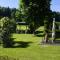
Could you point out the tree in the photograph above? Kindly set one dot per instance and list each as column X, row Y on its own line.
column 5, row 11
column 35, row 11
column 18, row 16
column 8, row 26
column 13, row 11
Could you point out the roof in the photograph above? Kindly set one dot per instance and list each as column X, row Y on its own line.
column 22, row 23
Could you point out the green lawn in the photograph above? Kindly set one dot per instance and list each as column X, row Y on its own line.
column 21, row 27
column 32, row 49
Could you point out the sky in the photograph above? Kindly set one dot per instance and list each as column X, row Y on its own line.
column 55, row 4
column 9, row 3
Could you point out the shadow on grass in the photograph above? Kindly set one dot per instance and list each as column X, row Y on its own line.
column 15, row 44
column 18, row 44
column 39, row 33
column 57, row 41
column 21, row 44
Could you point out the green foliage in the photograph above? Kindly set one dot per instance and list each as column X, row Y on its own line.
column 7, row 12
column 13, row 11
column 34, row 12
column 8, row 26
column 18, row 15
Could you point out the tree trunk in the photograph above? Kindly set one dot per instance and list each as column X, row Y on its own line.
column 46, row 38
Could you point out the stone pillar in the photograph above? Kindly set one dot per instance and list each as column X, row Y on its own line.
column 53, row 30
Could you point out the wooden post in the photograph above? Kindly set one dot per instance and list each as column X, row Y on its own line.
column 53, row 30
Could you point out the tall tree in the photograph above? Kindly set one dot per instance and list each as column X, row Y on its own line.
column 35, row 11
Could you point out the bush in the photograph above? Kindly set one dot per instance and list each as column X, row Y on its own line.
column 8, row 26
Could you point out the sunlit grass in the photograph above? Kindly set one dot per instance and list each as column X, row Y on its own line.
column 22, row 27
column 33, row 50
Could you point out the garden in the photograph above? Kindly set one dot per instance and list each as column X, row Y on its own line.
column 31, row 32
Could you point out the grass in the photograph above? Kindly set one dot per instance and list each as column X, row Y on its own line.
column 33, row 50
column 21, row 27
